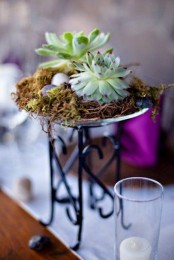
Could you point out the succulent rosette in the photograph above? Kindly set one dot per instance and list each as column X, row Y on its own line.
column 100, row 78
column 70, row 46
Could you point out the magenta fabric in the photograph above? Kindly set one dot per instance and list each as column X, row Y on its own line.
column 140, row 140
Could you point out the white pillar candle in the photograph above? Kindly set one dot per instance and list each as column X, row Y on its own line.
column 135, row 248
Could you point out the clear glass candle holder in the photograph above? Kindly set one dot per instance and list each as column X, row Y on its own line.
column 138, row 207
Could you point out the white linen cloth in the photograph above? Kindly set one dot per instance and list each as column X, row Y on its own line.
column 98, row 234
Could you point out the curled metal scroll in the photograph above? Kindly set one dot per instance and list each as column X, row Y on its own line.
column 106, row 191
column 70, row 199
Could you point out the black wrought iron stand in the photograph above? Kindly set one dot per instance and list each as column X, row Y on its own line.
column 82, row 153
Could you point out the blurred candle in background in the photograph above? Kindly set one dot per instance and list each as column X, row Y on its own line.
column 9, row 75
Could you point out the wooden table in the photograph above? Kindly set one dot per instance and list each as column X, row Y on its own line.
column 17, row 227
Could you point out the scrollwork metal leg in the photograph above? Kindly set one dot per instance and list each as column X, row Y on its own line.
column 53, row 190
column 76, row 203
column 80, row 190
column 82, row 154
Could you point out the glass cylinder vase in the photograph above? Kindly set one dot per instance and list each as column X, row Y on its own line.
column 138, row 207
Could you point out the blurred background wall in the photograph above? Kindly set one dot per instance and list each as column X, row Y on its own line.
column 141, row 31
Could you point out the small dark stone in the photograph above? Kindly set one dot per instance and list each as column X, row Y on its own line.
column 144, row 103
column 38, row 242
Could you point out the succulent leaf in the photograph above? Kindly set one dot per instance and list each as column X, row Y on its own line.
column 100, row 78
column 51, row 38
column 45, row 52
column 53, row 63
column 68, row 36
column 93, row 34
column 51, row 47
column 79, row 45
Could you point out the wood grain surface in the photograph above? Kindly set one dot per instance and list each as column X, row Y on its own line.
column 16, row 229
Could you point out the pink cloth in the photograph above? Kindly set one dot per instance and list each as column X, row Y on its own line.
column 140, row 140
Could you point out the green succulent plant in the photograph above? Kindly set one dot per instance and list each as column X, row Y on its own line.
column 100, row 78
column 70, row 46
